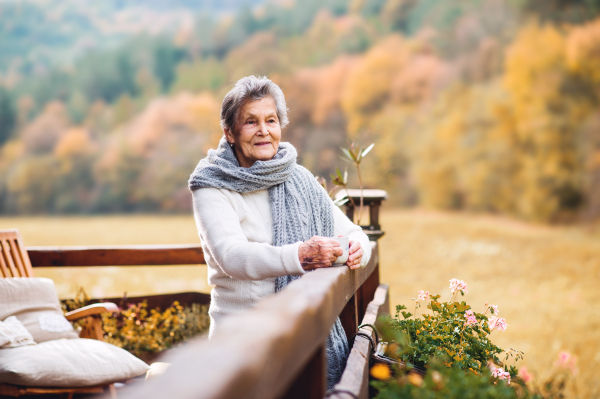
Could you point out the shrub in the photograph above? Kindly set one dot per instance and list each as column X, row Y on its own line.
column 143, row 331
column 453, row 333
column 453, row 343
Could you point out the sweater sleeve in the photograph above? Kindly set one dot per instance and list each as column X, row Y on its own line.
column 221, row 232
column 344, row 227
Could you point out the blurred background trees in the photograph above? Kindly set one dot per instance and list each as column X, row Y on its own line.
column 488, row 106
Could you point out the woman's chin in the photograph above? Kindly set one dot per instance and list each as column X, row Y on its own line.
column 265, row 155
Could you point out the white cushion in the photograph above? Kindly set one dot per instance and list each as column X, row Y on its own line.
column 13, row 334
column 68, row 363
column 33, row 300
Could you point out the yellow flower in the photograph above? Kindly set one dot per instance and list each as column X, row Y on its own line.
column 415, row 379
column 381, row 372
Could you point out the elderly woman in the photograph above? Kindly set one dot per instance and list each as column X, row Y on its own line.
column 263, row 219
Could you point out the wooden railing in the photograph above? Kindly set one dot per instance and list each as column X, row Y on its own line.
column 274, row 350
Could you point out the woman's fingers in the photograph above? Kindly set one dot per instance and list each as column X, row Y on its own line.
column 330, row 247
column 338, row 251
column 354, row 246
column 319, row 252
column 355, row 254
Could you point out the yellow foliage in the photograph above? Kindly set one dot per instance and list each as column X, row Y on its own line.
column 140, row 330
column 535, row 63
column 414, row 83
column 259, row 55
column 368, row 87
column 328, row 88
column 76, row 141
column 583, row 51
column 546, row 122
column 42, row 134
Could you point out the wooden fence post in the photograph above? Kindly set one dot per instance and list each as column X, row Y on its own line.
column 311, row 382
column 365, row 293
column 349, row 318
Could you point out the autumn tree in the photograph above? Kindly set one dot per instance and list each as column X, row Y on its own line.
column 7, row 115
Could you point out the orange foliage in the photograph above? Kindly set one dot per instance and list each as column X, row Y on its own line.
column 196, row 114
column 368, row 88
column 328, row 83
column 75, row 141
column 46, row 130
column 583, row 51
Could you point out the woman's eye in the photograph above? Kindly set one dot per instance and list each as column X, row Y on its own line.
column 250, row 122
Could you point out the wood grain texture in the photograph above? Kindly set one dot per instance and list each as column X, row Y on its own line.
column 133, row 255
column 15, row 391
column 91, row 310
column 366, row 293
column 92, row 328
column 349, row 318
column 162, row 301
column 14, row 261
column 311, row 383
column 4, row 271
column 259, row 353
column 356, row 375
column 8, row 257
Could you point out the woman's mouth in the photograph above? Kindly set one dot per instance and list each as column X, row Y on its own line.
column 262, row 143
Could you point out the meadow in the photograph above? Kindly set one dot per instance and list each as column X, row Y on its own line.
column 543, row 279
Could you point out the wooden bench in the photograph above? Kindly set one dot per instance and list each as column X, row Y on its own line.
column 15, row 262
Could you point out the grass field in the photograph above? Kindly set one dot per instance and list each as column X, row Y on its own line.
column 544, row 280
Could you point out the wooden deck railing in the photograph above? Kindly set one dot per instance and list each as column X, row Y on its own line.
column 274, row 350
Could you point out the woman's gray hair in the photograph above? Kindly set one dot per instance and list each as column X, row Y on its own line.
column 251, row 88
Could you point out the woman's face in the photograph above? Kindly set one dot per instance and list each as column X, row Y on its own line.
column 257, row 133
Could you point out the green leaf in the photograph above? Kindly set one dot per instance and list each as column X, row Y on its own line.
column 461, row 307
column 341, row 201
column 367, row 150
column 348, row 154
column 406, row 315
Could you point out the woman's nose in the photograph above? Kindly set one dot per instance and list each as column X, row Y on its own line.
column 262, row 129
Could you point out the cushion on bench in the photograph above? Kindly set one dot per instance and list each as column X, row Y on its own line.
column 68, row 363
column 33, row 300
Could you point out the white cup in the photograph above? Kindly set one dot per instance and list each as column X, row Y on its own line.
column 345, row 244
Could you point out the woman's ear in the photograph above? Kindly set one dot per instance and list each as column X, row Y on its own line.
column 228, row 136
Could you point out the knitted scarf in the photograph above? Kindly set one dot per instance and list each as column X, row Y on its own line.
column 300, row 209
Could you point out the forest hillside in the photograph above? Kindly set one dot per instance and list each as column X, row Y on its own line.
column 487, row 106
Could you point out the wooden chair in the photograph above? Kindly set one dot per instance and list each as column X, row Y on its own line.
column 14, row 262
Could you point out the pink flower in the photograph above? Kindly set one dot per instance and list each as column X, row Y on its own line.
column 563, row 358
column 525, row 375
column 470, row 318
column 567, row 361
column 494, row 309
column 501, row 374
column 458, row 285
column 501, row 324
column 423, row 295
column 497, row 322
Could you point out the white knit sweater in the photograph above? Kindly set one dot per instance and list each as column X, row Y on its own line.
column 236, row 234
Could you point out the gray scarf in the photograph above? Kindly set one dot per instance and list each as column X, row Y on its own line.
column 300, row 209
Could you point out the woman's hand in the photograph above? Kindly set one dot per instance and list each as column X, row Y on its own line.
column 354, row 255
column 319, row 252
